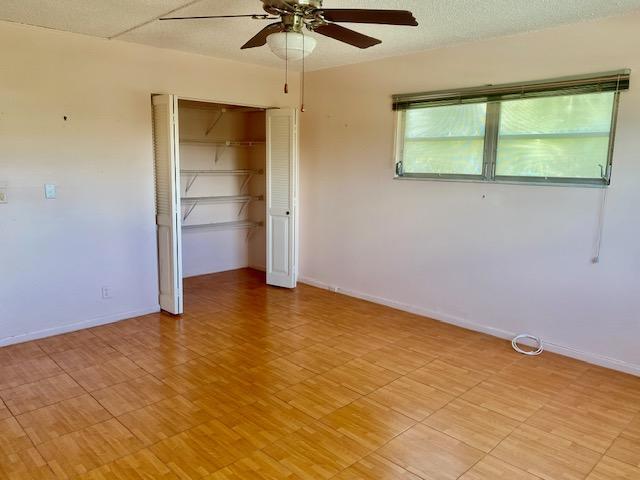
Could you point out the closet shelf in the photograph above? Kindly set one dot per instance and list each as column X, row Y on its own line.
column 222, row 199
column 194, row 174
column 245, row 200
column 222, row 111
column 221, row 172
column 226, row 143
column 241, row 224
column 225, row 110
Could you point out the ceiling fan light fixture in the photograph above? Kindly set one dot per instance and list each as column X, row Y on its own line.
column 293, row 46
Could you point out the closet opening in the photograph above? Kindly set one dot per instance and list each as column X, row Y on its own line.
column 225, row 195
column 222, row 187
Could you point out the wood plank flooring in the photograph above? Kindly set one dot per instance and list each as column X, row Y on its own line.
column 255, row 382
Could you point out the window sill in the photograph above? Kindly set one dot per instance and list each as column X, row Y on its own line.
column 510, row 181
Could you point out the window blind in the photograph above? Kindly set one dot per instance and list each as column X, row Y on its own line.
column 598, row 82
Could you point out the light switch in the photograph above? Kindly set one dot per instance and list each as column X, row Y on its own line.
column 3, row 195
column 50, row 191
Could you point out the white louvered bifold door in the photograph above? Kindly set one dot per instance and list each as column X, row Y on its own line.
column 281, row 197
column 167, row 173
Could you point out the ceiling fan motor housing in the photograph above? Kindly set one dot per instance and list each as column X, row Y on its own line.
column 296, row 14
column 288, row 5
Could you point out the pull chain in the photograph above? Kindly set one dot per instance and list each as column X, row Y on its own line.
column 603, row 198
column 286, row 62
column 302, row 85
column 600, row 228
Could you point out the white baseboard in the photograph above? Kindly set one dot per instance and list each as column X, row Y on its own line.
column 589, row 357
column 72, row 327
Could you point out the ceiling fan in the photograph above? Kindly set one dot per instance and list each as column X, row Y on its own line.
column 286, row 38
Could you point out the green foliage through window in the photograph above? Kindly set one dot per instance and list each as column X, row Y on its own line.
column 445, row 140
column 563, row 137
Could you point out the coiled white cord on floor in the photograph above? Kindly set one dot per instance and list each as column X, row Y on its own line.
column 537, row 340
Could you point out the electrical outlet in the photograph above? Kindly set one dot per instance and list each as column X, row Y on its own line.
column 106, row 293
column 3, row 195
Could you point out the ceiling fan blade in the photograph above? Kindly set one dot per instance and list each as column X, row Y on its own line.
column 255, row 16
column 260, row 38
column 360, row 15
column 347, row 36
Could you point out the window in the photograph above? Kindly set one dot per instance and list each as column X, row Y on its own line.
column 445, row 140
column 558, row 131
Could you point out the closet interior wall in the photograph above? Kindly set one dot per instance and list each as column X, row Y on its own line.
column 258, row 185
column 222, row 162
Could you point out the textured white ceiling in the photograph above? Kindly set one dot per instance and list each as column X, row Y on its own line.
column 441, row 22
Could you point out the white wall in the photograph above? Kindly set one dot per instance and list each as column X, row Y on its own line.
column 56, row 255
column 498, row 258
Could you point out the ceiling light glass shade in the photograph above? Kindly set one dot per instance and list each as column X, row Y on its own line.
column 291, row 45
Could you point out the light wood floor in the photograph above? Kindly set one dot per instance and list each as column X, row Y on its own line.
column 262, row 383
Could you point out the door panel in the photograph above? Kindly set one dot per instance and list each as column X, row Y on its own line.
column 168, row 221
column 280, row 232
column 281, row 197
